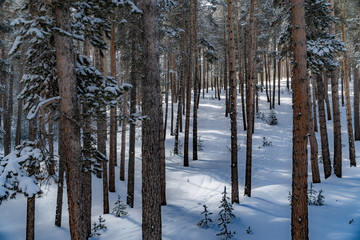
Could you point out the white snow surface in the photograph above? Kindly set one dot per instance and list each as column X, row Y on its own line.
column 267, row 212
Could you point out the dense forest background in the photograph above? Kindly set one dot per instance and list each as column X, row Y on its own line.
column 127, row 105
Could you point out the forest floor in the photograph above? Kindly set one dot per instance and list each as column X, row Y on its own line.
column 267, row 213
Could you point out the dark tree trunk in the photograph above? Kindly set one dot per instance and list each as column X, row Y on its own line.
column 356, row 103
column 348, row 103
column 313, row 143
column 131, row 166
column 151, row 128
column 326, row 94
column 241, row 73
column 233, row 110
column 123, row 137
column 314, row 94
column 249, row 100
column 113, row 120
column 323, row 129
column 60, row 189
column 196, row 84
column 188, row 89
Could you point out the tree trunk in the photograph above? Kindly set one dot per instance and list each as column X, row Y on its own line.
column 314, row 93
column 336, row 111
column 101, row 141
column 188, row 89
column 113, row 121
column 69, row 117
column 196, row 83
column 299, row 205
column 356, row 103
column 233, row 111
column 151, row 129
column 348, row 103
column 60, row 189
column 30, row 219
column 131, row 163
column 323, row 129
column 123, row 137
column 313, row 143
column 30, row 206
column 249, row 99
column 326, row 94
column 8, row 107
column 241, row 73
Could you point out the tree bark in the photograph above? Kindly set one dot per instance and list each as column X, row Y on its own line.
column 241, row 73
column 299, row 205
column 356, row 103
column 188, row 89
column 249, row 100
column 313, row 143
column 233, row 111
column 348, row 102
column 131, row 163
column 113, row 121
column 69, row 117
column 151, row 128
column 323, row 128
column 196, row 84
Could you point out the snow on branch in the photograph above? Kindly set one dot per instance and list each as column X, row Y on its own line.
column 42, row 104
column 18, row 171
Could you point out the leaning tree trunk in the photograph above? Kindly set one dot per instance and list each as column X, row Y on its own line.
column 151, row 127
column 299, row 205
column 69, row 118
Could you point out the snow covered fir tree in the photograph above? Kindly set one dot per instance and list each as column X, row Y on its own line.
column 125, row 119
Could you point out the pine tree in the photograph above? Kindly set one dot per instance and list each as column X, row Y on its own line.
column 119, row 208
column 225, row 217
column 205, row 223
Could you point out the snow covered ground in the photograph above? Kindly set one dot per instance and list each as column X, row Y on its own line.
column 267, row 212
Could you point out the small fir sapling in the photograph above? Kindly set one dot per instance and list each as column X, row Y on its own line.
column 204, row 223
column 272, row 119
column 97, row 227
column 200, row 146
column 119, row 209
column 248, row 231
column 266, row 143
column 225, row 217
column 315, row 198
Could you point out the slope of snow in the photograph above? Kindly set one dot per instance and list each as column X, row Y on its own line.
column 267, row 212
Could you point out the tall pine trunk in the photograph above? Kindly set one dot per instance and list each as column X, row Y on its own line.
column 233, row 111
column 348, row 102
column 151, row 128
column 323, row 128
column 299, row 205
column 249, row 99
column 69, row 117
column 113, row 121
